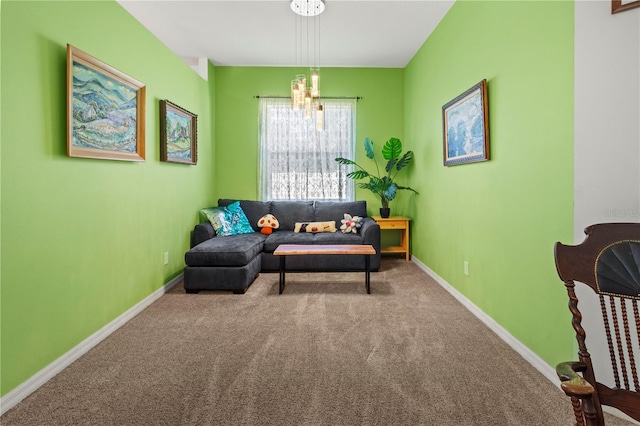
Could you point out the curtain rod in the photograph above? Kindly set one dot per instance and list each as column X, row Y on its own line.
column 357, row 98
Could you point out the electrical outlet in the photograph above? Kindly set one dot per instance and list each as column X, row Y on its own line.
column 466, row 268
column 166, row 257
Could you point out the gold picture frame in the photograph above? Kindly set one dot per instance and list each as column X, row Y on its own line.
column 178, row 134
column 105, row 110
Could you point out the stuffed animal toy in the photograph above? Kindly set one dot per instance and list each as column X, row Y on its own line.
column 268, row 223
column 350, row 224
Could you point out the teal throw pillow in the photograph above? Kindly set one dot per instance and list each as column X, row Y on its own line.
column 229, row 220
column 237, row 219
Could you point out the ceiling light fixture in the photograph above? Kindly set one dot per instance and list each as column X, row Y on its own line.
column 307, row 7
column 305, row 96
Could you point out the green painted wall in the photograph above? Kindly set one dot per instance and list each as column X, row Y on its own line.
column 502, row 216
column 379, row 116
column 83, row 240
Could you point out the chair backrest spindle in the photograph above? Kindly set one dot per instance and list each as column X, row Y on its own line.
column 616, row 327
column 612, row 352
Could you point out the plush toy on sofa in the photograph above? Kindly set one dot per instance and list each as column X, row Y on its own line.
column 350, row 224
column 268, row 223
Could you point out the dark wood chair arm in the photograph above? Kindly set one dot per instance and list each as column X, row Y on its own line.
column 572, row 383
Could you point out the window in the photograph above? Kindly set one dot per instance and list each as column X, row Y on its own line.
column 297, row 162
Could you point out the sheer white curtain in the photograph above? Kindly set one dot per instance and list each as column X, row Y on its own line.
column 297, row 162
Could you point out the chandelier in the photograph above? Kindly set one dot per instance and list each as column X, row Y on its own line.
column 305, row 93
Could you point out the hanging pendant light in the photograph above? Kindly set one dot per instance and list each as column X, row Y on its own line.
column 305, row 94
column 302, row 87
column 315, row 82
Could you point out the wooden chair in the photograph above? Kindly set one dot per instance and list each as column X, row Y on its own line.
column 608, row 261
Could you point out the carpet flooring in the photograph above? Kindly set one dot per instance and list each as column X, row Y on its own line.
column 322, row 353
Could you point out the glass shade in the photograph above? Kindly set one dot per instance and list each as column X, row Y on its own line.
column 315, row 82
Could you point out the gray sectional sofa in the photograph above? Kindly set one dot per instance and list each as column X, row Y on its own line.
column 233, row 262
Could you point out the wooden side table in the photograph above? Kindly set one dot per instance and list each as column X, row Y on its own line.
column 401, row 224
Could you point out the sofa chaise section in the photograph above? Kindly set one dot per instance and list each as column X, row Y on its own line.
column 224, row 263
column 232, row 262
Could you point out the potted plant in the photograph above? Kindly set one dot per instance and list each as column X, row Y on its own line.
column 382, row 185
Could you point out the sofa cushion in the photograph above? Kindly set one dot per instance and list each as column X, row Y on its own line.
column 335, row 210
column 337, row 238
column 239, row 222
column 233, row 250
column 254, row 210
column 290, row 212
column 290, row 237
column 287, row 237
column 229, row 220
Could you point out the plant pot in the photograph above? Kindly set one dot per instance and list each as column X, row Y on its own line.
column 384, row 212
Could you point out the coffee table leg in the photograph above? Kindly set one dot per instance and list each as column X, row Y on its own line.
column 368, row 276
column 282, row 266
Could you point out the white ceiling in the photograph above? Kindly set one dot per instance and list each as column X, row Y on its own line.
column 352, row 33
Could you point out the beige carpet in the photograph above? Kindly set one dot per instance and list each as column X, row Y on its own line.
column 323, row 353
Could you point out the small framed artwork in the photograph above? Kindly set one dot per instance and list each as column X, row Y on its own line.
column 105, row 110
column 622, row 5
column 178, row 134
column 466, row 127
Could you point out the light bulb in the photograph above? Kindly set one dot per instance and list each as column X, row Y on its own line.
column 307, row 105
column 296, row 98
column 294, row 87
column 320, row 118
column 315, row 81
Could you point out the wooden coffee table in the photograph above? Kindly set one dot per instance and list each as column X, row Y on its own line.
column 285, row 250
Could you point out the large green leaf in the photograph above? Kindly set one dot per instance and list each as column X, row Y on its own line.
column 390, row 193
column 406, row 159
column 358, row 174
column 406, row 187
column 392, row 149
column 390, row 164
column 371, row 187
column 376, row 184
column 345, row 161
column 368, row 147
column 386, row 181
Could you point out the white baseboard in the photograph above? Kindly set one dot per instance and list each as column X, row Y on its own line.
column 41, row 377
column 537, row 362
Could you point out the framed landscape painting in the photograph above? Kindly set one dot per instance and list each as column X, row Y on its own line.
column 178, row 134
column 466, row 127
column 105, row 110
